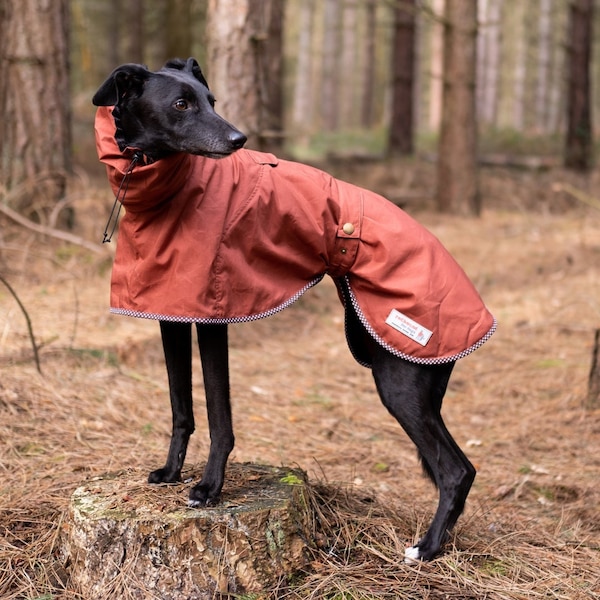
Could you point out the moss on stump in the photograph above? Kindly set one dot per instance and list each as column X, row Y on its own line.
column 123, row 536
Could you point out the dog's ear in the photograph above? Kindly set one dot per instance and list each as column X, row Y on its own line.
column 125, row 80
column 193, row 67
column 190, row 65
column 175, row 63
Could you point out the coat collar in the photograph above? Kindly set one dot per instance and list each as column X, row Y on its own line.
column 150, row 182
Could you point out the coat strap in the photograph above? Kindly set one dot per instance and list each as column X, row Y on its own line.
column 349, row 230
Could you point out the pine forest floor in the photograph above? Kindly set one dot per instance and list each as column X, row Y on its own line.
column 531, row 528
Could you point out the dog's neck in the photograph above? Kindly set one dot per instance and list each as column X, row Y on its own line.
column 119, row 133
column 124, row 141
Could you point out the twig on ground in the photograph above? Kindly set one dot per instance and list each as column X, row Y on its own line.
column 28, row 321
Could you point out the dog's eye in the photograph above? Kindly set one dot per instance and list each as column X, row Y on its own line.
column 181, row 104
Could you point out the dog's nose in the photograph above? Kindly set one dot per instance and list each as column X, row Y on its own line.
column 237, row 140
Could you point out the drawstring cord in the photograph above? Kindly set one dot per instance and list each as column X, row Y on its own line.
column 120, row 196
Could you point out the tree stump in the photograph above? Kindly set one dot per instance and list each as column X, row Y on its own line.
column 125, row 538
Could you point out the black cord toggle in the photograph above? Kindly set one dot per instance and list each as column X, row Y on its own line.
column 120, row 196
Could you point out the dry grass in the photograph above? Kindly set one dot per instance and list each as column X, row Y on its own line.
column 532, row 525
column 365, row 560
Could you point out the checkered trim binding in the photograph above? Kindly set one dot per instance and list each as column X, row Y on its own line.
column 218, row 321
column 392, row 350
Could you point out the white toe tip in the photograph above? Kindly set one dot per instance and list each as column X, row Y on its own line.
column 412, row 555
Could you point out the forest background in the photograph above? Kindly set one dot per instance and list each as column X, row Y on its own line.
column 521, row 62
column 347, row 44
column 338, row 76
column 357, row 87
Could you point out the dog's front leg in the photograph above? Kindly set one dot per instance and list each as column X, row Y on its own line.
column 215, row 369
column 177, row 345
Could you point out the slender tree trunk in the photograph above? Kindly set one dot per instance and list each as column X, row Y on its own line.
column 302, row 111
column 543, row 66
column 494, row 58
column 401, row 137
column 244, row 49
column 368, row 79
column 34, row 99
column 179, row 29
column 330, row 64
column 482, row 11
column 135, row 31
column 268, row 52
column 348, row 64
column 437, row 64
column 488, row 45
column 157, row 34
column 520, row 67
column 230, row 67
column 556, row 95
column 458, row 185
column 593, row 397
column 578, row 150
column 114, row 35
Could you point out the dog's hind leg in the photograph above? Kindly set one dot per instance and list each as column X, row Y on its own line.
column 177, row 346
column 413, row 394
column 215, row 368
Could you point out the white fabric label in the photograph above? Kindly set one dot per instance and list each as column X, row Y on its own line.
column 408, row 327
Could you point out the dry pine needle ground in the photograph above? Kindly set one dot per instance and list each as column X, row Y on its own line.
column 532, row 525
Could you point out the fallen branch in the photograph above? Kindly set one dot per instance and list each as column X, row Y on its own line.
column 36, row 356
column 577, row 194
column 49, row 231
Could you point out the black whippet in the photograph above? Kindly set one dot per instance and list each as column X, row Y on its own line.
column 172, row 111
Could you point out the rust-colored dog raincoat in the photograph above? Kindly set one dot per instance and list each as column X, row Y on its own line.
column 242, row 237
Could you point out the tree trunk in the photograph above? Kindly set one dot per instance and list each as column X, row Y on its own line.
column 268, row 48
column 135, row 31
column 519, row 33
column 457, row 180
column 437, row 64
column 488, row 48
column 244, row 49
column 480, row 69
column 348, row 64
column 114, row 35
column 543, row 66
column 302, row 112
column 34, row 101
column 368, row 78
column 556, row 95
column 578, row 149
column 179, row 29
column 593, row 398
column 401, row 136
column 330, row 65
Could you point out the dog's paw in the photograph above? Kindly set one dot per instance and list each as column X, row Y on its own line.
column 199, row 503
column 412, row 555
column 164, row 476
column 200, row 497
column 193, row 503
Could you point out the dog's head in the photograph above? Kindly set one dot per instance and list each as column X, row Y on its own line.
column 166, row 111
